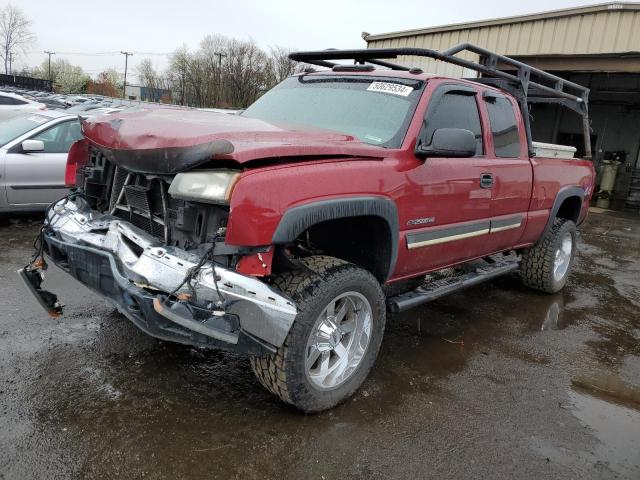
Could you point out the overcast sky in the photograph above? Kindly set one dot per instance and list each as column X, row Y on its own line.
column 97, row 29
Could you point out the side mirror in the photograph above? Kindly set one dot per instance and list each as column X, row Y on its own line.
column 32, row 146
column 449, row 142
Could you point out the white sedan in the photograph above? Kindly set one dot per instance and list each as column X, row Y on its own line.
column 12, row 105
column 33, row 158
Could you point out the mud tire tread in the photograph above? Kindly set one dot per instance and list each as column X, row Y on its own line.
column 536, row 268
column 302, row 286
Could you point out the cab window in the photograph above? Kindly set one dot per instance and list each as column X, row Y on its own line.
column 504, row 126
column 454, row 109
column 59, row 138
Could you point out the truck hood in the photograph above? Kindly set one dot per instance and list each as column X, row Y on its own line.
column 169, row 140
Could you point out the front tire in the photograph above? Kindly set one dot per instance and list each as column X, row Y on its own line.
column 547, row 265
column 334, row 340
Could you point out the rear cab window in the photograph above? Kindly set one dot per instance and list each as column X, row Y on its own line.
column 504, row 126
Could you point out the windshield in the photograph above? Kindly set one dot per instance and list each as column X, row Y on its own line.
column 18, row 126
column 376, row 110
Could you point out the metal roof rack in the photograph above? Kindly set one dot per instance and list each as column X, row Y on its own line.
column 528, row 84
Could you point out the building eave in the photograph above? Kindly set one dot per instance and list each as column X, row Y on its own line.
column 565, row 12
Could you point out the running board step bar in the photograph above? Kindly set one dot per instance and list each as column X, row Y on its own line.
column 490, row 267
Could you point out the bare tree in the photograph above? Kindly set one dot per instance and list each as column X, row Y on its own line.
column 15, row 33
column 281, row 65
column 221, row 72
column 147, row 75
column 106, row 83
column 245, row 73
column 213, row 49
column 67, row 78
column 179, row 64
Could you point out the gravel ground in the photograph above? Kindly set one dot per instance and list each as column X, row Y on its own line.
column 494, row 382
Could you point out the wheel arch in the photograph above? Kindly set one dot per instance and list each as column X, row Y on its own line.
column 338, row 212
column 568, row 205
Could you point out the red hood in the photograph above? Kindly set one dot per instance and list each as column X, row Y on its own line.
column 166, row 140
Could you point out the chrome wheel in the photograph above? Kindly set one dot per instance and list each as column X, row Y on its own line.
column 563, row 257
column 338, row 340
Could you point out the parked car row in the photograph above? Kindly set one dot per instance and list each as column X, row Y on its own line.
column 37, row 130
column 89, row 102
column 12, row 105
column 57, row 101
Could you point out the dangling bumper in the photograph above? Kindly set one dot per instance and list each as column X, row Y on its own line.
column 137, row 273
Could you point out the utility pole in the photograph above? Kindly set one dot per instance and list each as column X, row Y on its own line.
column 50, row 79
column 219, row 89
column 182, row 76
column 126, row 63
column 10, row 62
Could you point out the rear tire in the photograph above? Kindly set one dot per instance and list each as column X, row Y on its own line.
column 334, row 340
column 547, row 265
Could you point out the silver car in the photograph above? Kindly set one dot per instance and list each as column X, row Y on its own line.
column 12, row 105
column 33, row 158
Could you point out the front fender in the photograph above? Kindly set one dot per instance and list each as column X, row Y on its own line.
column 298, row 219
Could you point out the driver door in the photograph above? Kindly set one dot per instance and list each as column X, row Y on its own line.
column 450, row 212
column 35, row 179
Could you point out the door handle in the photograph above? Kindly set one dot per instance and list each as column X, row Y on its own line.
column 486, row 180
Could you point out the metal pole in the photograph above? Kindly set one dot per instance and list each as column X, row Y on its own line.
column 586, row 129
column 219, row 89
column 182, row 86
column 126, row 63
column 50, row 79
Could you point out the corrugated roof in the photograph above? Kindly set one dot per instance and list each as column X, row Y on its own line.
column 610, row 30
column 552, row 14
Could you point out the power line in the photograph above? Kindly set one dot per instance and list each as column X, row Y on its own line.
column 106, row 54
column 90, row 54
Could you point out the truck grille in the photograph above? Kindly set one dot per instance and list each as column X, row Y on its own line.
column 132, row 197
column 144, row 201
column 119, row 179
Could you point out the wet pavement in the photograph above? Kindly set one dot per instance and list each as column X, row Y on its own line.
column 494, row 382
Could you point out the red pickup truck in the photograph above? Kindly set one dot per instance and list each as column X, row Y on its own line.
column 287, row 232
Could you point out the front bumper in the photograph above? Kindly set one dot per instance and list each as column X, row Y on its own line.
column 136, row 272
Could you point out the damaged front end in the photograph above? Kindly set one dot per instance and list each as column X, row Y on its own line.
column 168, row 292
column 145, row 227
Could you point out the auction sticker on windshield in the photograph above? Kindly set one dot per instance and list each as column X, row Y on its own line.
column 387, row 87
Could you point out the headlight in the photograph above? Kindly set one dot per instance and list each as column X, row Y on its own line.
column 208, row 186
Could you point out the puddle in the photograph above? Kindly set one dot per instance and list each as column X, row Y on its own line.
column 609, row 411
column 466, row 370
column 616, row 426
column 610, row 388
column 554, row 318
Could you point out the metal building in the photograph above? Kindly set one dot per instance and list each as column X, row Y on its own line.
column 596, row 46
